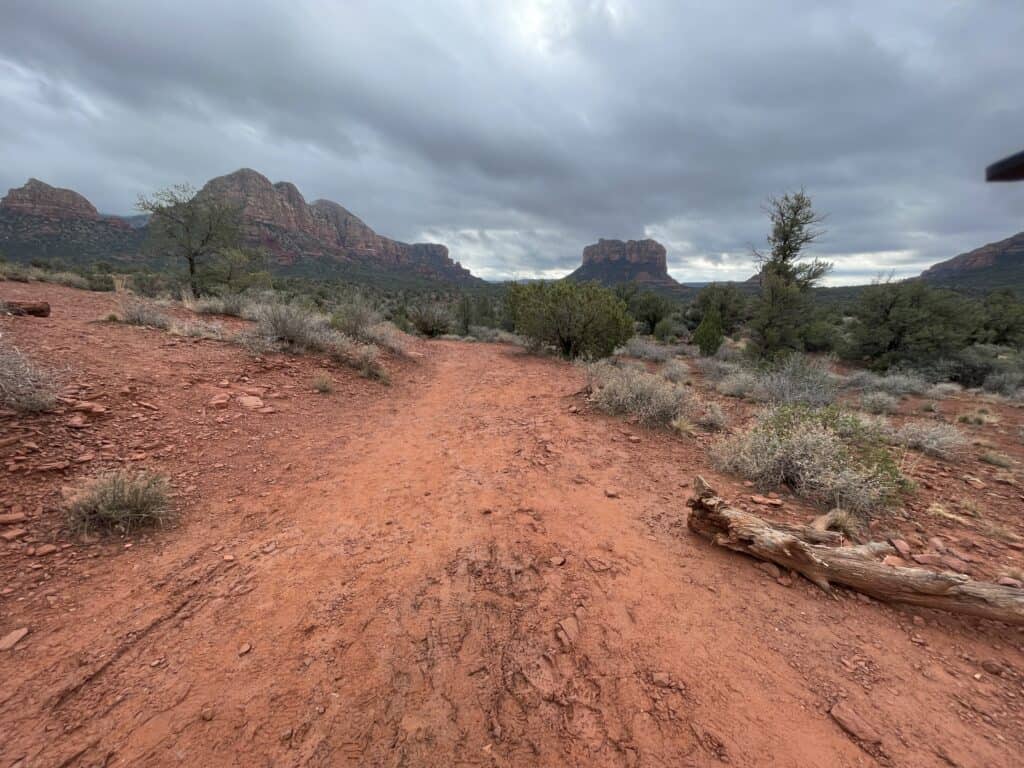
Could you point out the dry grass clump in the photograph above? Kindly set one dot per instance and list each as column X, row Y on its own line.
column 631, row 392
column 933, row 438
column 823, row 454
column 711, row 417
column 997, row 459
column 197, row 330
column 893, row 382
column 69, row 279
column 121, row 501
column 144, row 314
column 24, row 386
column 432, row 319
column 879, row 402
column 363, row 357
column 355, row 316
column 676, row 371
column 323, row 383
column 715, row 369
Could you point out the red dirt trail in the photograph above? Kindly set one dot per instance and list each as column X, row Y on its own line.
column 433, row 574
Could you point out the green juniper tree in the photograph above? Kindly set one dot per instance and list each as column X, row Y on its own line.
column 780, row 311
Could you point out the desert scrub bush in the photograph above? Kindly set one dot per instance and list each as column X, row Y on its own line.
column 631, row 392
column 430, row 318
column 715, row 369
column 580, row 320
column 24, row 386
column 741, row 384
column 20, row 273
column 645, row 349
column 363, row 357
column 292, row 328
column 1004, row 382
column 389, row 336
column 355, row 316
column 68, row 279
column 121, row 501
column 197, row 330
column 495, row 335
column 799, row 379
column 879, row 402
column 676, row 371
column 944, row 389
column 710, row 416
column 100, row 282
column 932, row 438
column 143, row 314
column 824, row 454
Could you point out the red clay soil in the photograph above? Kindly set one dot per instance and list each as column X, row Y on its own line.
column 466, row 568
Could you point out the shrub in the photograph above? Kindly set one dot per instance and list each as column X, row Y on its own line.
column 24, row 387
column 823, row 454
column 355, row 316
column 665, row 330
column 430, row 318
column 997, row 459
column 934, row 438
column 1004, row 382
column 741, row 384
column 292, row 328
column 632, row 392
column 676, row 371
column 646, row 350
column 708, row 336
column 902, row 383
column 579, row 320
column 100, row 282
column 323, row 383
column 362, row 357
column 711, row 417
column 121, row 501
column 799, row 379
column 944, row 389
column 69, row 279
column 197, row 330
column 879, row 402
column 388, row 336
column 143, row 314
column 715, row 369
column 495, row 335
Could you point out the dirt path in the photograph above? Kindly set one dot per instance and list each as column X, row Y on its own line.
column 464, row 572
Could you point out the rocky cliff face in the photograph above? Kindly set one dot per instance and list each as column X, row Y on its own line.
column 278, row 218
column 612, row 262
column 40, row 221
column 39, row 199
column 1006, row 254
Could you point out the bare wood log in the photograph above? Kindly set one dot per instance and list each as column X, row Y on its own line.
column 34, row 308
column 852, row 567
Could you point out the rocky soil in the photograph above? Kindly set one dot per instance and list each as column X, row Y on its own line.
column 468, row 567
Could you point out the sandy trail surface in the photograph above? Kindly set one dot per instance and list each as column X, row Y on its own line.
column 468, row 568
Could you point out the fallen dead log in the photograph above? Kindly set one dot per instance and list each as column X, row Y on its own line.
column 34, row 308
column 853, row 567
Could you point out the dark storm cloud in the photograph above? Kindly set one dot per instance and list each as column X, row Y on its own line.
column 518, row 132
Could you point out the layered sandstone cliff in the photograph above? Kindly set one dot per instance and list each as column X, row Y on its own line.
column 36, row 198
column 613, row 262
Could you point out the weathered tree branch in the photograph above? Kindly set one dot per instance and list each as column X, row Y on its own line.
column 34, row 308
column 852, row 567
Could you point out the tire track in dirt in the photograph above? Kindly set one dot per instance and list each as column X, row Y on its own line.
column 449, row 584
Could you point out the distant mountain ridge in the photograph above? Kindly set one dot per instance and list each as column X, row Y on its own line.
column 614, row 262
column 323, row 238
column 995, row 265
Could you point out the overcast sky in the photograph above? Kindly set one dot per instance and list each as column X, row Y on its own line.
column 516, row 132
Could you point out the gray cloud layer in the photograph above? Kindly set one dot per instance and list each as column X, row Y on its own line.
column 518, row 132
